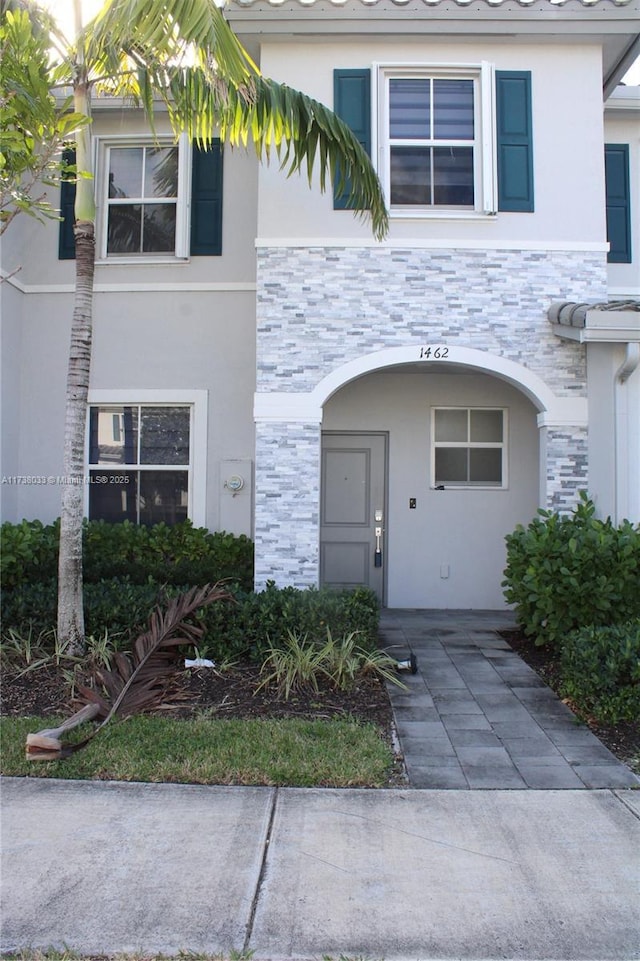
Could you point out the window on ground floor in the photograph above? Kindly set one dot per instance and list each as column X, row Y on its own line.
column 141, row 462
column 469, row 447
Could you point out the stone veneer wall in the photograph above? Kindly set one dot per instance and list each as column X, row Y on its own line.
column 319, row 307
column 567, row 467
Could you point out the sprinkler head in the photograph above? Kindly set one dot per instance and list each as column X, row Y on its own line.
column 409, row 665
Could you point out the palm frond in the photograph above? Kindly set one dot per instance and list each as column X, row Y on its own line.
column 185, row 54
column 305, row 135
column 169, row 28
column 138, row 681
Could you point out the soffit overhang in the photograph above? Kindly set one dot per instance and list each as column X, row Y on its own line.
column 612, row 24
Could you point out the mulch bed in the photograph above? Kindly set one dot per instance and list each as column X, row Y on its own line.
column 225, row 695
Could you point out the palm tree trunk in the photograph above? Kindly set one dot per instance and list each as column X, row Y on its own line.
column 70, row 604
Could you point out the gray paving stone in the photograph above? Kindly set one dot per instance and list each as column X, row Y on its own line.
column 417, row 714
column 462, row 738
column 502, row 777
column 486, row 686
column 466, row 722
column 451, row 703
column 595, row 753
column 524, row 728
column 420, row 729
column 530, row 747
column 441, row 681
column 477, row 755
column 438, row 777
column 606, row 775
column 570, row 735
column 427, row 747
column 546, row 776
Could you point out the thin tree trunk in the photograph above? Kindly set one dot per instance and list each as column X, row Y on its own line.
column 70, row 604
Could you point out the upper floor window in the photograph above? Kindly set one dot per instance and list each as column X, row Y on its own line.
column 434, row 151
column 431, row 147
column 141, row 199
column 156, row 201
column 447, row 140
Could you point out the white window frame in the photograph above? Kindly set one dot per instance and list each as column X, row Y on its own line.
column 103, row 145
column 197, row 401
column 468, row 444
column 485, row 166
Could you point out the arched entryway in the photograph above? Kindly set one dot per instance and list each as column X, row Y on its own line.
column 472, row 444
column 461, row 470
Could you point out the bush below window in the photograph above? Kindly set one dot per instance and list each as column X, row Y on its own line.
column 181, row 554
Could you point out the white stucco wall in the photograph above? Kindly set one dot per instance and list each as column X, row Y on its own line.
column 449, row 551
column 142, row 341
column 567, row 129
column 165, row 326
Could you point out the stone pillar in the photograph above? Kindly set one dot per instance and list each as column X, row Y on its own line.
column 287, row 486
column 567, row 466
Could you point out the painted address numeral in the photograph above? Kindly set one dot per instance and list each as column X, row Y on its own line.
column 433, row 353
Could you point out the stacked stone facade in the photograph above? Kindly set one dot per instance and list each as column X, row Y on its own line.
column 320, row 307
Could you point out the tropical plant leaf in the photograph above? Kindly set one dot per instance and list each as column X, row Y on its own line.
column 138, row 681
column 186, row 55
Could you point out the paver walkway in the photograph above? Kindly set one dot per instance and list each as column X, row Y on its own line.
column 476, row 716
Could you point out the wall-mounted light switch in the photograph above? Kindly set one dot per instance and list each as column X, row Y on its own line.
column 412, row 503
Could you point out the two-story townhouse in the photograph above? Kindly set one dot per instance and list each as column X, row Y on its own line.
column 377, row 413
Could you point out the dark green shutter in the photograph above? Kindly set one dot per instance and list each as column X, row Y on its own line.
column 352, row 103
column 66, row 239
column 616, row 165
column 206, row 201
column 514, row 140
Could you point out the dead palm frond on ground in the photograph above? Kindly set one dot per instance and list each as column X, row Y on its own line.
column 137, row 681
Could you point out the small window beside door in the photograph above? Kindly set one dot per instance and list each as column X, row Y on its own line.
column 469, row 447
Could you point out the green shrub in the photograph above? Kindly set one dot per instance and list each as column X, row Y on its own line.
column 600, row 671
column 178, row 555
column 564, row 572
column 116, row 606
column 245, row 626
column 258, row 620
column 28, row 551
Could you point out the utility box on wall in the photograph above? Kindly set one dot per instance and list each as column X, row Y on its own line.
column 236, row 496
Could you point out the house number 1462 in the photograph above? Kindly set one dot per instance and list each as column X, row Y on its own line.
column 433, row 353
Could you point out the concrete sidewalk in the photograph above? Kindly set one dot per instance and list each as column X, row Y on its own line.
column 292, row 873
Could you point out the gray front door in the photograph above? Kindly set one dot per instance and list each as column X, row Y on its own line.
column 353, row 511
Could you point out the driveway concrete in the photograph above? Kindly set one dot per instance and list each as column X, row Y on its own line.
column 293, row 873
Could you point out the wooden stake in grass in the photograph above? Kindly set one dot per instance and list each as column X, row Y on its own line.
column 138, row 681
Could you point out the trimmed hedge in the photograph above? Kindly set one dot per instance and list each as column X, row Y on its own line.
column 178, row 555
column 600, row 671
column 567, row 571
column 243, row 626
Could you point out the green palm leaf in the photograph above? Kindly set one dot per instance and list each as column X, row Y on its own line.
column 184, row 53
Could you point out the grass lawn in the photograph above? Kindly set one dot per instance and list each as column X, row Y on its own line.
column 297, row 753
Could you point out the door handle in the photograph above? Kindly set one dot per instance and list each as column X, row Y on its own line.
column 377, row 557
